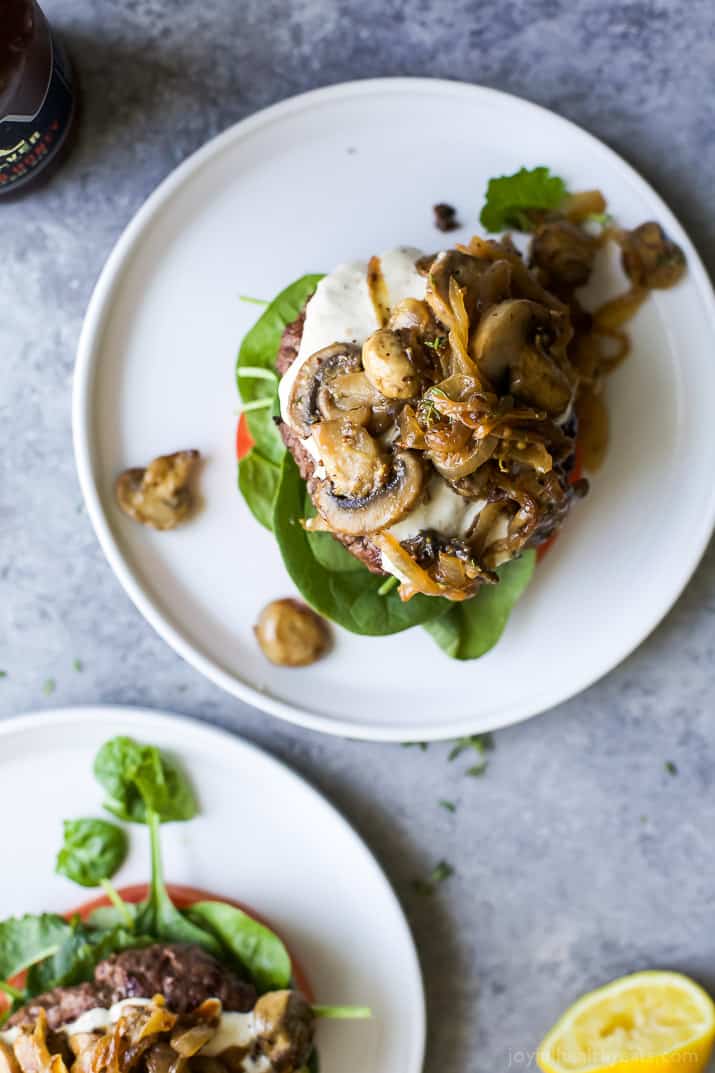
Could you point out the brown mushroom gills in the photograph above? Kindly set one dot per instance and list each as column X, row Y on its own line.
column 361, row 516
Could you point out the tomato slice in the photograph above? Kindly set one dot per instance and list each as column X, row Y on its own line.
column 182, row 897
column 244, row 439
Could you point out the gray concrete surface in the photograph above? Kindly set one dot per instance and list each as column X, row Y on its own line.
column 578, row 856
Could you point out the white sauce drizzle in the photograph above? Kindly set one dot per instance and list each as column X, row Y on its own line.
column 341, row 311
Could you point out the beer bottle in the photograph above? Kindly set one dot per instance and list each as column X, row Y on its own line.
column 36, row 95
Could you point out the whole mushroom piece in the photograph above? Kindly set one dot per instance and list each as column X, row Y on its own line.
column 284, row 1029
column 290, row 634
column 159, row 496
column 650, row 258
column 511, row 348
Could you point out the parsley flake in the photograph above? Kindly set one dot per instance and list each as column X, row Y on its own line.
column 439, row 873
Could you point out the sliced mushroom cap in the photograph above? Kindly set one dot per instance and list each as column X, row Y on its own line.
column 317, row 372
column 510, row 349
column 381, row 509
column 650, row 258
column 160, row 495
column 284, row 1029
column 467, row 272
column 564, row 252
column 352, row 459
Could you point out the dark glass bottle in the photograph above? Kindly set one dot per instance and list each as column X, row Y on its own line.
column 36, row 95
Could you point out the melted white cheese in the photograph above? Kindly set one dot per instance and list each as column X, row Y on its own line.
column 341, row 311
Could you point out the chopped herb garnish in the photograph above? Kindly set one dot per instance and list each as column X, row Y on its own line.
column 48, row 686
column 388, row 585
column 423, row 745
column 253, row 301
column 3, row 674
column 518, row 200
column 449, row 806
column 77, row 665
column 255, row 372
column 481, row 743
column 256, row 404
column 439, row 873
column 604, row 219
column 477, row 769
column 671, row 768
column 435, row 344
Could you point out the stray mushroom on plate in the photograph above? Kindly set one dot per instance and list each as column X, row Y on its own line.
column 161, row 495
column 290, row 634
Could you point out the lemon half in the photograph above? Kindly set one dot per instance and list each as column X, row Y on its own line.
column 659, row 1021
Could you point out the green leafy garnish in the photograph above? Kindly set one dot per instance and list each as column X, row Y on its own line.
column 439, row 873
column 76, row 958
column 470, row 629
column 93, row 850
column 423, row 746
column 671, row 768
column 139, row 779
column 77, row 665
column 480, row 744
column 343, row 1013
column 158, row 915
column 513, row 200
column 255, row 947
column 333, row 581
column 48, row 686
column 259, row 471
column 448, row 806
column 28, row 939
column 253, row 301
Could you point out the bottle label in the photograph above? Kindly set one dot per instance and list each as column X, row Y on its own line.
column 37, row 122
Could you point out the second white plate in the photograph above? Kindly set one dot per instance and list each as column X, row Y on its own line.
column 263, row 837
column 334, row 175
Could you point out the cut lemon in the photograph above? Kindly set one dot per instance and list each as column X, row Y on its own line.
column 651, row 1021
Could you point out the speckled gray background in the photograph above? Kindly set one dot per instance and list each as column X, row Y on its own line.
column 578, row 856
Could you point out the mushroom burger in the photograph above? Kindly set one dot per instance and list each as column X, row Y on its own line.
column 439, row 410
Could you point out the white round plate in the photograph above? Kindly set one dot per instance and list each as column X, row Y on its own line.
column 263, row 837
column 338, row 174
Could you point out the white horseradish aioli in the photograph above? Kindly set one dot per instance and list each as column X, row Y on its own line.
column 341, row 311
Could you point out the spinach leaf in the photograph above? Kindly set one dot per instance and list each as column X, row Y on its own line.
column 29, row 939
column 107, row 917
column 255, row 947
column 158, row 916
column 258, row 480
column 347, row 596
column 511, row 199
column 259, row 471
column 139, row 778
column 79, row 954
column 471, row 628
column 93, row 850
